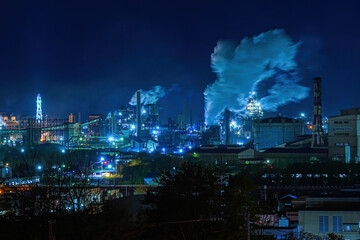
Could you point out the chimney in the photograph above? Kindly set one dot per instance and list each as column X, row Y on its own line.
column 317, row 131
column 138, row 114
column 227, row 126
column 71, row 118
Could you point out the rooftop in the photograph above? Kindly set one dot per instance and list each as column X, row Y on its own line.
column 279, row 119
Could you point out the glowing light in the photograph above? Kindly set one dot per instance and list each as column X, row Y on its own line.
column 39, row 167
column 253, row 107
column 302, row 114
column 157, row 127
column 111, row 139
column 163, row 149
column 190, row 147
column 181, row 150
column 132, row 126
column 63, row 150
column 120, row 114
column 122, row 139
column 154, row 132
column 22, row 150
column 109, row 166
column 61, row 138
column 102, row 159
column 39, row 116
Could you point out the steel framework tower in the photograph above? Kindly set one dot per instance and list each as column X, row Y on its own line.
column 39, row 116
column 317, row 130
column 138, row 114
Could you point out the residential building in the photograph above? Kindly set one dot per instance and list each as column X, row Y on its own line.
column 324, row 215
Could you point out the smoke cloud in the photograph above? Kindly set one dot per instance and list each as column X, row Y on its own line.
column 149, row 97
column 269, row 56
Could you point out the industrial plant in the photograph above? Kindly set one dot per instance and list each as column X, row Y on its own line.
column 137, row 128
column 142, row 120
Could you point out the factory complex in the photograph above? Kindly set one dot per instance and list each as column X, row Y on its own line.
column 243, row 138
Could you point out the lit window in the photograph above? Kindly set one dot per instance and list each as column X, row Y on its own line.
column 337, row 223
column 323, row 223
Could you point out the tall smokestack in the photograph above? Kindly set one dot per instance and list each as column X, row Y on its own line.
column 227, row 126
column 317, row 131
column 138, row 114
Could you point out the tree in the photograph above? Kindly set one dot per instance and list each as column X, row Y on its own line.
column 195, row 202
column 186, row 204
column 240, row 207
column 333, row 236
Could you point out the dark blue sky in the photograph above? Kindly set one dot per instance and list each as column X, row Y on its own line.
column 91, row 56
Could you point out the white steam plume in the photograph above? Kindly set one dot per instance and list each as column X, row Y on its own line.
column 240, row 68
column 149, row 97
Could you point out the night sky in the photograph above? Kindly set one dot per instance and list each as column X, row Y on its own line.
column 91, row 56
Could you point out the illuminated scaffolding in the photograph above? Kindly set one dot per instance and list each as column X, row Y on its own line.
column 253, row 108
column 39, row 116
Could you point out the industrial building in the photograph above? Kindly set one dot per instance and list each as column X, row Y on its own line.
column 323, row 215
column 226, row 154
column 271, row 132
column 344, row 135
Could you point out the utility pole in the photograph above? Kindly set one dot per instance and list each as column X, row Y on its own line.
column 51, row 233
column 248, row 225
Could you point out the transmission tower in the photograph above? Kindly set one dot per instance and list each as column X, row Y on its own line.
column 38, row 109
